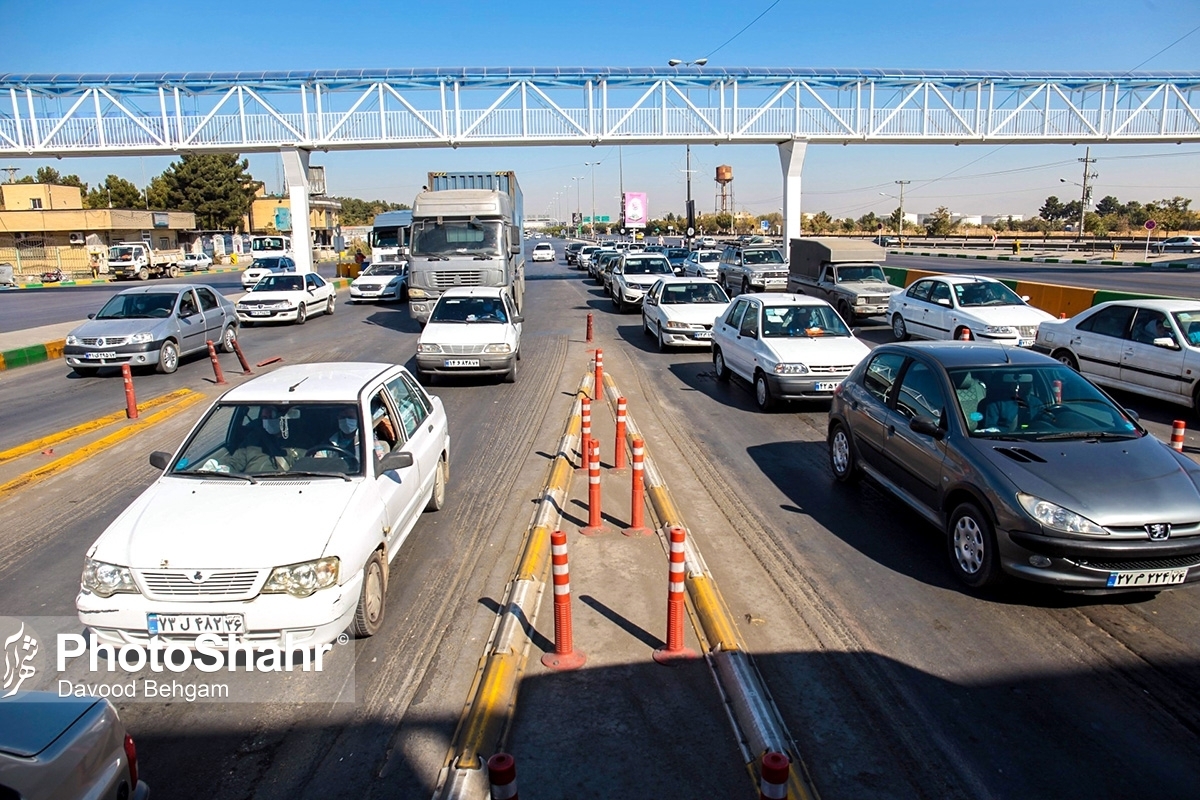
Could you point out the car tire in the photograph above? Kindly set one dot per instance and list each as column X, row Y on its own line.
column 662, row 342
column 86, row 372
column 762, row 392
column 646, row 327
column 372, row 599
column 899, row 329
column 1067, row 358
column 329, row 306
column 617, row 304
column 842, row 461
column 745, row 286
column 511, row 375
column 228, row 339
column 168, row 358
column 437, row 498
column 302, row 314
column 972, row 544
column 247, row 324
column 173, row 271
column 719, row 364
column 424, row 377
column 143, row 274
column 846, row 312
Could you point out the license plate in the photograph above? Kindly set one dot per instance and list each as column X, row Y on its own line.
column 1153, row 577
column 194, row 624
column 260, row 313
column 1024, row 342
column 98, row 356
column 827, row 386
column 702, row 335
column 461, row 362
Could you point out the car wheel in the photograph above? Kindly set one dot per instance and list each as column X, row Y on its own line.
column 662, row 342
column 173, row 271
column 719, row 364
column 248, row 324
column 745, row 286
column 86, row 372
column 511, row 375
column 841, row 455
column 1065, row 357
column 425, row 378
column 846, row 312
column 762, row 393
column 168, row 358
column 646, row 327
column 437, row 498
column 617, row 304
column 228, row 339
column 302, row 314
column 972, row 543
column 899, row 329
column 143, row 274
column 372, row 599
column 329, row 306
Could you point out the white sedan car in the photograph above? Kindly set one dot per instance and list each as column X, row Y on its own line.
column 788, row 346
column 275, row 521
column 196, row 262
column 387, row 280
column 543, row 251
column 634, row 273
column 286, row 298
column 702, row 264
column 964, row 307
column 680, row 311
column 473, row 330
column 261, row 267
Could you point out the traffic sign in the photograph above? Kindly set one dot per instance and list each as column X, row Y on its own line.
column 691, row 231
column 766, row 226
column 1151, row 224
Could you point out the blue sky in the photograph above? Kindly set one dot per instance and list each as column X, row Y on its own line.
column 139, row 36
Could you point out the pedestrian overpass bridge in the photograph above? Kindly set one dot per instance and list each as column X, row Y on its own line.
column 296, row 112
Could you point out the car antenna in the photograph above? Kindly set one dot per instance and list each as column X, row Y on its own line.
column 292, row 388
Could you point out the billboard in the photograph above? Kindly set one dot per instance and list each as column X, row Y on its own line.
column 635, row 210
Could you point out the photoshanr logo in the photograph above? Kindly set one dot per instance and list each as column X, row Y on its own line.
column 20, row 648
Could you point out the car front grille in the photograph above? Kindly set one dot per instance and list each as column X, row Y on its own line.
column 105, row 341
column 463, row 349
column 448, row 278
column 875, row 301
column 181, row 583
column 1027, row 331
column 841, row 369
column 1137, row 564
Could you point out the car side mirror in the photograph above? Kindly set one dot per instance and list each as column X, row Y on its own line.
column 926, row 427
column 91, row 316
column 517, row 320
column 515, row 249
column 160, row 459
column 398, row 459
column 1166, row 342
column 1133, row 414
column 943, row 301
column 650, row 301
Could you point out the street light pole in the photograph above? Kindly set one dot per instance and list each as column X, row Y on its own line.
column 900, row 231
column 593, row 165
column 578, row 208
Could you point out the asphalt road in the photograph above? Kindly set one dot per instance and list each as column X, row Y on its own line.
column 894, row 680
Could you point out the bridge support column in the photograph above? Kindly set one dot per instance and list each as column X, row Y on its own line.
column 791, row 156
column 295, row 170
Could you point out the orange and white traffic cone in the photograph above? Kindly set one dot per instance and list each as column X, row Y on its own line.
column 1177, row 431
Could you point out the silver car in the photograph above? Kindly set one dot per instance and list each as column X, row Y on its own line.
column 1030, row 470
column 152, row 326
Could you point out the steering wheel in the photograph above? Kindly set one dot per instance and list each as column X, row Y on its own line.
column 1048, row 412
column 321, row 448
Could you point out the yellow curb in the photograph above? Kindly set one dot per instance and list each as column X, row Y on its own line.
column 54, row 350
column 100, row 445
column 87, row 427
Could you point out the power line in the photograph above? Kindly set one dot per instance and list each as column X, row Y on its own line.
column 743, row 30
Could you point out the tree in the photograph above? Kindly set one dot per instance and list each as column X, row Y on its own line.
column 1109, row 205
column 939, row 223
column 115, row 193
column 216, row 187
column 821, row 222
column 1052, row 210
column 51, row 175
column 362, row 212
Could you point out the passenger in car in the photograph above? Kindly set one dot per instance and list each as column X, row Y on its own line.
column 262, row 448
column 970, row 394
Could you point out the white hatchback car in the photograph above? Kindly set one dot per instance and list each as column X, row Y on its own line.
column 680, row 311
column 633, row 274
column 789, row 346
column 196, row 262
column 702, row 264
column 473, row 330
column 543, row 251
column 287, row 298
column 964, row 306
column 275, row 521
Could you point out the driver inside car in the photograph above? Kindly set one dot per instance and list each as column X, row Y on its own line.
column 263, row 446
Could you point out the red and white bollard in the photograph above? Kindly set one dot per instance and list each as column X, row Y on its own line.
column 212, row 356
column 1178, row 428
column 619, row 446
column 1057, row 386
column 598, row 391
column 775, row 769
column 964, row 335
column 131, row 411
column 675, row 604
column 637, row 502
column 564, row 655
column 237, row 348
column 502, row 775
column 585, row 431
column 595, row 524
column 589, row 328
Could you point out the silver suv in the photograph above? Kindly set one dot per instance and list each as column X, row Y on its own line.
column 756, row 267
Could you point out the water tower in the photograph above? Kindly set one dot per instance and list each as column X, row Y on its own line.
column 724, row 204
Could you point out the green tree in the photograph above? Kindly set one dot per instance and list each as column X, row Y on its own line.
column 821, row 222
column 362, row 212
column 216, row 187
column 1052, row 210
column 115, row 192
column 51, row 175
column 939, row 223
column 1109, row 205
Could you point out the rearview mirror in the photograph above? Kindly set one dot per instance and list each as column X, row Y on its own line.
column 926, row 427
column 1166, row 342
column 398, row 459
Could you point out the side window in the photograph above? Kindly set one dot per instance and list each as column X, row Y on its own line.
column 940, row 293
column 208, row 301
column 412, row 411
column 1112, row 321
column 734, row 318
column 187, row 305
column 920, row 290
column 1149, row 325
column 920, row 393
column 881, row 374
column 750, row 321
column 419, row 393
column 383, row 426
column 317, row 279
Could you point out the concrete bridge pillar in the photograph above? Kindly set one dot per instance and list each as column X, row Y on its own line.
column 295, row 170
column 791, row 156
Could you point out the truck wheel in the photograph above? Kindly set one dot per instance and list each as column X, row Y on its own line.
column 143, row 274
column 173, row 271
column 168, row 358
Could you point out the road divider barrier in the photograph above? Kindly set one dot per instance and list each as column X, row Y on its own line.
column 599, row 380
column 595, row 525
column 637, row 501
column 216, row 363
column 676, row 608
column 589, row 328
column 774, row 780
column 565, row 656
column 585, row 440
column 237, row 348
column 619, row 444
column 1178, row 429
column 964, row 335
column 131, row 409
column 502, row 775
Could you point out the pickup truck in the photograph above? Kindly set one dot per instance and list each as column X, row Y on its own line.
column 129, row 260
column 843, row 273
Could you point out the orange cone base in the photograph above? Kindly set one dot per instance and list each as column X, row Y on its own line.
column 594, row 530
column 564, row 661
column 664, row 656
column 637, row 532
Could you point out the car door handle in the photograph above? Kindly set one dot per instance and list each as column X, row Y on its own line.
column 891, row 430
column 431, row 427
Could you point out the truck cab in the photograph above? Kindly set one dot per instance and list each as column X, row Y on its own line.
column 842, row 272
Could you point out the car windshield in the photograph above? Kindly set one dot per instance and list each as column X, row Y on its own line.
column 792, row 322
column 385, row 268
column 676, row 252
column 864, row 273
column 432, row 239
column 761, row 257
column 683, row 293
column 265, row 263
column 248, row 440
column 985, row 293
column 1189, row 323
column 138, row 306
column 709, row 256
column 1039, row 402
column 469, row 309
column 279, row 283
column 648, row 266
column 266, row 243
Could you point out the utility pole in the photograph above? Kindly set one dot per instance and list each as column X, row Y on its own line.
column 593, row 165
column 1086, row 198
column 900, row 227
column 12, row 172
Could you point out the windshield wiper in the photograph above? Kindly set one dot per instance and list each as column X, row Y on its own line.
column 437, row 258
column 1084, row 435
column 237, row 476
column 311, row 474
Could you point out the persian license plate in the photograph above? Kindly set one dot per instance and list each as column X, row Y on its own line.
column 826, row 386
column 1024, row 342
column 260, row 313
column 702, row 335
column 194, row 624
column 461, row 362
column 98, row 356
column 1151, row 577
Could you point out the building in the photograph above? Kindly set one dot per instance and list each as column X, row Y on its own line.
column 273, row 214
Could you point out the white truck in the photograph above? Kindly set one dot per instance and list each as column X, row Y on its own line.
column 128, row 260
column 843, row 272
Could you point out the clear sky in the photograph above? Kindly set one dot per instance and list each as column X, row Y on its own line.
column 1101, row 35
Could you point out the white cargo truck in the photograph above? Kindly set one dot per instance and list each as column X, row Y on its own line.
column 843, row 272
column 129, row 260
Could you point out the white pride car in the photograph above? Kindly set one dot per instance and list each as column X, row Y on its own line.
column 543, row 251
column 679, row 312
column 964, row 306
column 275, row 520
column 287, row 297
column 473, row 330
column 790, row 347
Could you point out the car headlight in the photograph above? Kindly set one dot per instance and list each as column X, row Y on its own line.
column 141, row 338
column 1005, row 330
column 72, row 339
column 301, row 580
column 417, row 293
column 791, row 369
column 423, row 347
column 1058, row 518
column 671, row 323
column 503, row 347
column 105, row 579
